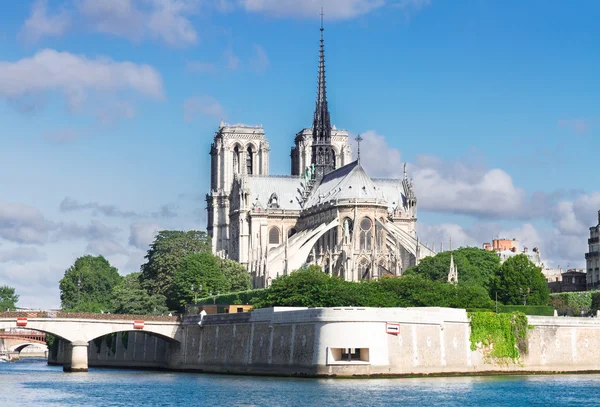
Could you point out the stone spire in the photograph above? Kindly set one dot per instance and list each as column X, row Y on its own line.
column 322, row 151
column 453, row 273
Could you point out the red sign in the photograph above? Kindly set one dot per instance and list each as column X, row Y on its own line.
column 21, row 321
column 138, row 324
column 392, row 329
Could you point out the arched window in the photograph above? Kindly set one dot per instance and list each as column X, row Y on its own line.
column 249, row 160
column 274, row 235
column 236, row 160
column 347, row 231
column 333, row 159
column 363, row 269
column 366, row 234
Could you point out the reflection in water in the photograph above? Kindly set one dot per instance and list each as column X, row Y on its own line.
column 32, row 382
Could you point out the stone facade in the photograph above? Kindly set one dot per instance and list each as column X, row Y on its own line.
column 592, row 257
column 347, row 342
column 328, row 212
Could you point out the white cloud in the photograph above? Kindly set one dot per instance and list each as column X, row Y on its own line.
column 105, row 247
column 206, row 105
column 259, row 61
column 333, row 9
column 75, row 76
column 95, row 230
column 22, row 255
column 165, row 20
column 463, row 186
column 41, row 24
column 23, row 224
column 143, row 234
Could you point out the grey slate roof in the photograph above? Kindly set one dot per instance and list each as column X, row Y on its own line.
column 285, row 187
column 346, row 183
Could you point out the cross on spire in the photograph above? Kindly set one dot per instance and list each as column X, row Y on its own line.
column 358, row 140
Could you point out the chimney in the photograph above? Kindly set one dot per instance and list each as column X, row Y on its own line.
column 525, row 250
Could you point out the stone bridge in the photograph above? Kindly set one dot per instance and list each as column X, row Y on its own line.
column 77, row 329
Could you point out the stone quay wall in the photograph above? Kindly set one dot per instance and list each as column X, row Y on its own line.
column 324, row 342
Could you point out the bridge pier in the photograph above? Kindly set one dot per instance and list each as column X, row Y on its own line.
column 76, row 357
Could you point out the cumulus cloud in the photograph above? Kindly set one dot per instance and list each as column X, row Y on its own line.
column 165, row 20
column 72, row 205
column 207, row 105
column 143, row 234
column 333, row 9
column 462, row 186
column 22, row 255
column 105, row 247
column 75, row 76
column 95, row 230
column 42, row 24
column 23, row 224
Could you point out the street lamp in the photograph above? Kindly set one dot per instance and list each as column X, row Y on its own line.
column 196, row 292
column 524, row 294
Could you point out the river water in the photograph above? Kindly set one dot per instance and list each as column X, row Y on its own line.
column 34, row 383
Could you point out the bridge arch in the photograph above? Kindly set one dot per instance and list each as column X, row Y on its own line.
column 20, row 347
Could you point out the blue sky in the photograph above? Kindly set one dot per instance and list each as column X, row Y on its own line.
column 107, row 112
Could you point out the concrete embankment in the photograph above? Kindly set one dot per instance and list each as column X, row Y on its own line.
column 346, row 341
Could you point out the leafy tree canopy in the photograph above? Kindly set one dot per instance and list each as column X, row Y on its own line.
column 8, row 298
column 198, row 274
column 518, row 276
column 238, row 277
column 130, row 298
column 88, row 284
column 164, row 257
column 475, row 266
column 310, row 287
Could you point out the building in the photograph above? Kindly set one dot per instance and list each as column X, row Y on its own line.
column 507, row 248
column 328, row 211
column 592, row 257
column 571, row 280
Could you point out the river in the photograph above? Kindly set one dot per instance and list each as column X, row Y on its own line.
column 34, row 383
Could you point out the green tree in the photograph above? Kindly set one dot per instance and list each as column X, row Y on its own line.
column 8, row 298
column 238, row 277
column 517, row 277
column 197, row 270
column 475, row 266
column 130, row 298
column 88, row 284
column 165, row 255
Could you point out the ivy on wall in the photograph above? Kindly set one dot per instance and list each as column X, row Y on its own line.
column 111, row 342
column 501, row 337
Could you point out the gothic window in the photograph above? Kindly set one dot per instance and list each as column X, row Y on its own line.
column 363, row 269
column 366, row 234
column 249, row 158
column 333, row 159
column 274, row 235
column 236, row 160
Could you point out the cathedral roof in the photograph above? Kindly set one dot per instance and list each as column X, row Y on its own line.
column 285, row 189
column 349, row 182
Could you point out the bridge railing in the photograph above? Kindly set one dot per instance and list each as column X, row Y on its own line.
column 88, row 315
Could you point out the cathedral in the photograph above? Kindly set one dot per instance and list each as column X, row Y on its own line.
column 327, row 212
